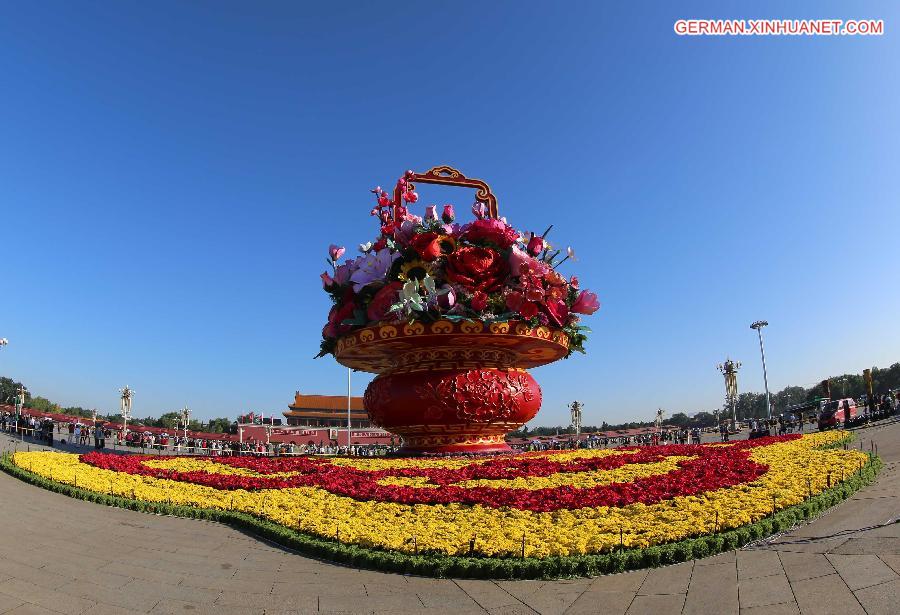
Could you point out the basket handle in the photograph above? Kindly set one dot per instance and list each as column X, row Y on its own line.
column 448, row 176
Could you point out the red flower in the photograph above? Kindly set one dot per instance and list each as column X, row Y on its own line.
column 557, row 311
column 475, row 268
column 382, row 301
column 535, row 245
column 479, row 301
column 528, row 310
column 492, row 231
column 428, row 245
column 337, row 316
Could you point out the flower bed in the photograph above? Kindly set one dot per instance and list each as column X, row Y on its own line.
column 528, row 515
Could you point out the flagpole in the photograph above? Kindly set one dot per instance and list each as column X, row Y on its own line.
column 348, row 409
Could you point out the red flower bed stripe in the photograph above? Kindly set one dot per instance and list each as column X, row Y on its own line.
column 715, row 467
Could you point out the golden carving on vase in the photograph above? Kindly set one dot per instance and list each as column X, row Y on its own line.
column 471, row 326
column 415, row 328
column 387, row 331
column 499, row 327
column 442, row 326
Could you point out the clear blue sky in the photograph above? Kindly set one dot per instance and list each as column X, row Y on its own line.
column 171, row 175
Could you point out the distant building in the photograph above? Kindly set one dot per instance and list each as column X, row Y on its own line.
column 327, row 411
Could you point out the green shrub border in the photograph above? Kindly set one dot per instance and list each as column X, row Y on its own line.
column 437, row 565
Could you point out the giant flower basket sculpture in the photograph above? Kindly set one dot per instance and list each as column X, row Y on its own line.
column 450, row 317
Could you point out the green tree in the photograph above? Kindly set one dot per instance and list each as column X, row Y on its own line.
column 168, row 420
column 42, row 404
column 679, row 419
column 703, row 419
column 9, row 389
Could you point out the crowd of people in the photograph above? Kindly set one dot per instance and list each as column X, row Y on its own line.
column 79, row 435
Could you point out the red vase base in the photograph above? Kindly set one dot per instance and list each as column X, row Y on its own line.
column 457, row 444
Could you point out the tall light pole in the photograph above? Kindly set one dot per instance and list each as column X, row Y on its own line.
column 125, row 406
column 758, row 325
column 348, row 409
column 20, row 404
column 729, row 369
column 576, row 417
column 185, row 420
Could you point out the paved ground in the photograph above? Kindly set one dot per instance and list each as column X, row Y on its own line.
column 63, row 555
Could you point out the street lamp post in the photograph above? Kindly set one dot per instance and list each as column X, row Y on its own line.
column 20, row 404
column 576, row 417
column 729, row 369
column 185, row 420
column 758, row 325
column 125, row 406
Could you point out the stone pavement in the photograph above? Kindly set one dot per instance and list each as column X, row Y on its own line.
column 60, row 555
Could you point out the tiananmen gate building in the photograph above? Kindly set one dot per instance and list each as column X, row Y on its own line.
column 327, row 411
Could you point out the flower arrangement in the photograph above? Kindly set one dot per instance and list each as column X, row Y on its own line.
column 577, row 503
column 430, row 267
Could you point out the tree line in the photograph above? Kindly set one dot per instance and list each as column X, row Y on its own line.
column 753, row 405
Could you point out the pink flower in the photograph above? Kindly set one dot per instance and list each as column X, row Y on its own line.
column 448, row 299
column 536, row 245
column 488, row 230
column 431, row 213
column 586, row 303
column 448, row 215
column 404, row 234
column 335, row 252
column 410, row 197
column 521, row 263
column 479, row 210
